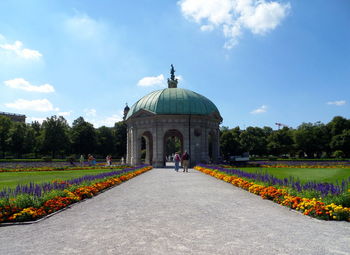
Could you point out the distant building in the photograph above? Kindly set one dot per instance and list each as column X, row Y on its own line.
column 14, row 117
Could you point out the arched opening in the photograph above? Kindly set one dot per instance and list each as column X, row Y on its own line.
column 143, row 149
column 173, row 142
column 147, row 148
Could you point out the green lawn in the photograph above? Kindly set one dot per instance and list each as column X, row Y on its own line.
column 12, row 179
column 306, row 174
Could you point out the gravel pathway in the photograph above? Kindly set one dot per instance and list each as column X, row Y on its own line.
column 165, row 212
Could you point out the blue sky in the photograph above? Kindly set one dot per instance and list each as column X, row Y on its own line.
column 260, row 62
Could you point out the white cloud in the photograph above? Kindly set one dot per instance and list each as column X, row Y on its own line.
column 107, row 121
column 38, row 119
column 179, row 78
column 84, row 27
column 90, row 112
column 265, row 17
column 40, row 105
column 261, row 109
column 155, row 81
column 64, row 114
column 110, row 121
column 232, row 16
column 337, row 103
column 18, row 49
column 20, row 83
column 151, row 81
column 207, row 28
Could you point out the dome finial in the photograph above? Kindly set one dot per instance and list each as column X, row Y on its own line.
column 126, row 110
column 172, row 82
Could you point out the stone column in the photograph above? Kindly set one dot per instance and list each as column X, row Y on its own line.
column 216, row 145
column 158, row 147
column 137, row 147
column 127, row 160
column 147, row 159
column 132, row 146
column 204, row 145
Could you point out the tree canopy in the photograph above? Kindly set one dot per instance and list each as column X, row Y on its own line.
column 56, row 138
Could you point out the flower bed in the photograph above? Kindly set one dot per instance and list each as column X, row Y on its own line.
column 312, row 207
column 304, row 164
column 59, row 168
column 31, row 202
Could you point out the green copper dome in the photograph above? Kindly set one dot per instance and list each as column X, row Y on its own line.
column 174, row 101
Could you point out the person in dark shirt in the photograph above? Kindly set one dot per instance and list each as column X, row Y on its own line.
column 185, row 161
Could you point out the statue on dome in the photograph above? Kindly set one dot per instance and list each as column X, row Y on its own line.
column 172, row 73
column 172, row 82
column 126, row 110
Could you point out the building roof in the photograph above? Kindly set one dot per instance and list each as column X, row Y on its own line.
column 174, row 101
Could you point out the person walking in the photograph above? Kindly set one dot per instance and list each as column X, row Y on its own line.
column 108, row 160
column 177, row 160
column 81, row 159
column 91, row 160
column 185, row 161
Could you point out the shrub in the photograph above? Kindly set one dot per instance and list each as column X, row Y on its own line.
column 47, row 159
column 26, row 200
column 272, row 158
column 71, row 158
column 338, row 154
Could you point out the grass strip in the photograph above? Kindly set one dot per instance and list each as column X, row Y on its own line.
column 13, row 178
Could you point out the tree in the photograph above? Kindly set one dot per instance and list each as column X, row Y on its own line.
column 311, row 139
column 254, row 140
column 83, row 136
column 30, row 140
column 120, row 137
column 105, row 143
column 341, row 142
column 55, row 135
column 280, row 142
column 5, row 126
column 36, row 130
column 337, row 125
column 229, row 142
column 17, row 138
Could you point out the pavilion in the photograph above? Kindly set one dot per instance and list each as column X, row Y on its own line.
column 168, row 113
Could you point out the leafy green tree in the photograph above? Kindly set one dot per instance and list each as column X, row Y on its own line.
column 337, row 125
column 312, row 139
column 105, row 141
column 120, row 138
column 17, row 138
column 30, row 140
column 172, row 145
column 280, row 142
column 230, row 142
column 267, row 131
column 36, row 129
column 83, row 135
column 36, row 126
column 342, row 142
column 5, row 126
column 254, row 140
column 55, row 135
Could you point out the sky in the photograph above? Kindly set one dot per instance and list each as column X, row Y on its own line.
column 261, row 62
